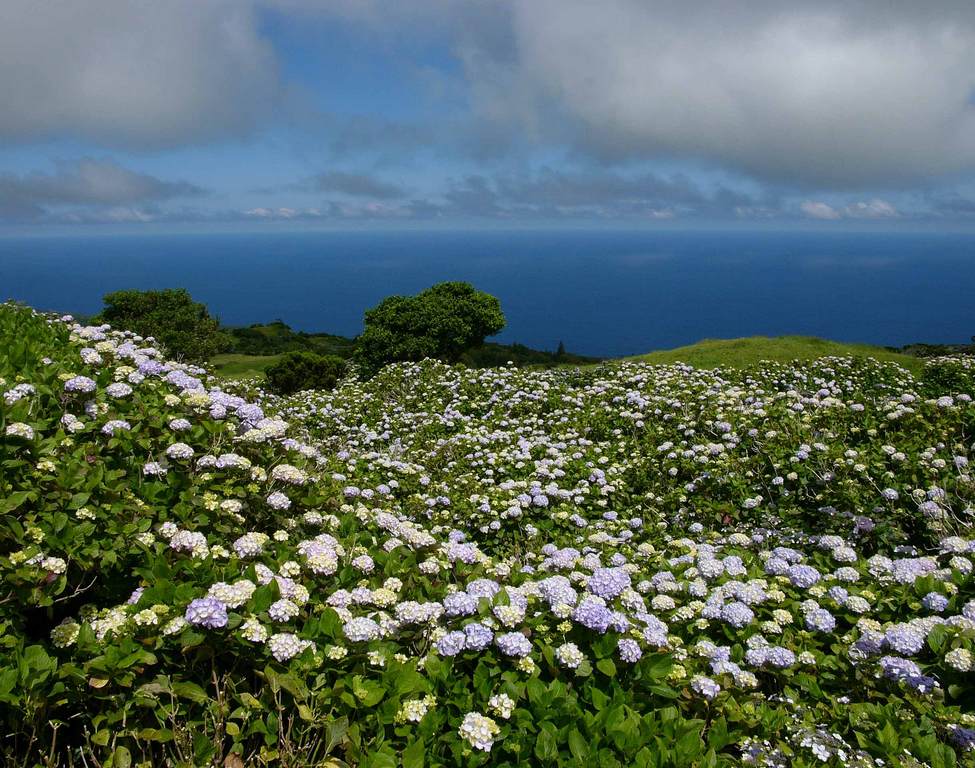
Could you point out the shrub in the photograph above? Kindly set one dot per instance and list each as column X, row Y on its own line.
column 296, row 371
column 183, row 326
column 441, row 322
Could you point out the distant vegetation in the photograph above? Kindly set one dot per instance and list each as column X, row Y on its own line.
column 937, row 350
column 277, row 337
column 183, row 326
column 296, row 371
column 448, row 321
column 442, row 322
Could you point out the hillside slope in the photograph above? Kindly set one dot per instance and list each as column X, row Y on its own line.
column 743, row 352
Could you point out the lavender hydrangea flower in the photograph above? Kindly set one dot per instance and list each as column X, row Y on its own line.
column 737, row 614
column 803, row 576
column 934, row 602
column 513, row 644
column 207, row 612
column 278, row 501
column 629, row 650
column 478, row 636
column 451, row 644
column 459, row 604
column 608, row 582
column 592, row 613
column 80, row 384
column 905, row 639
column 820, row 620
column 361, row 630
column 963, row 738
column 705, row 686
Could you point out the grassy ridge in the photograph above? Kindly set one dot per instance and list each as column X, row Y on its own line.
column 235, row 366
column 743, row 352
column 709, row 353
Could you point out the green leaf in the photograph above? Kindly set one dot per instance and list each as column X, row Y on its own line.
column 190, row 691
column 13, row 501
column 121, row 758
column 578, row 746
column 100, row 738
column 336, row 731
column 607, row 667
column 368, row 692
column 413, row 755
column 546, row 745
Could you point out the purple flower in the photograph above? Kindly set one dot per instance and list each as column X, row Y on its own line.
column 80, row 384
column 870, row 643
column 451, row 644
column 608, row 582
column 896, row 668
column 513, row 644
column 905, row 639
column 207, row 612
column 478, row 637
column 737, row 614
column 483, row 588
column 593, row 614
column 705, row 686
column 820, row 620
column 934, row 602
column 803, row 576
column 459, row 604
column 558, row 590
column 629, row 650
column 780, row 657
column 135, row 596
column 963, row 738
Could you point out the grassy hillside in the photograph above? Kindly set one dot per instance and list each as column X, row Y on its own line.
column 234, row 366
column 739, row 353
column 277, row 337
column 709, row 353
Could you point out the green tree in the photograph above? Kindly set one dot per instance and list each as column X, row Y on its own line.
column 296, row 371
column 442, row 322
column 183, row 326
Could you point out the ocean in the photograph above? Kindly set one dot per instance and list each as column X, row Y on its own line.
column 599, row 292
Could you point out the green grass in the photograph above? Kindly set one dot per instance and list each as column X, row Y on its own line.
column 234, row 366
column 739, row 353
column 709, row 353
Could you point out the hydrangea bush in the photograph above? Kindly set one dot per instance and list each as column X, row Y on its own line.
column 625, row 565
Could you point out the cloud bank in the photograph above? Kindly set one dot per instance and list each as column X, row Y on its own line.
column 87, row 183
column 133, row 74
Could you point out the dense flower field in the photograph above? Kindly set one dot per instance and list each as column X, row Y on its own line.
column 625, row 565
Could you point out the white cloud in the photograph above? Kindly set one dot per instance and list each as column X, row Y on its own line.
column 88, row 184
column 872, row 209
column 815, row 209
column 141, row 74
column 869, row 209
column 832, row 94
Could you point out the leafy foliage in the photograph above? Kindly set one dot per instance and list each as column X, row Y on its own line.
column 441, row 322
column 304, row 370
column 183, row 326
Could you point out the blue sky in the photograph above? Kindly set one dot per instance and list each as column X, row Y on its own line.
column 212, row 114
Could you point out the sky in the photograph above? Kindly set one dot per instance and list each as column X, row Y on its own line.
column 251, row 114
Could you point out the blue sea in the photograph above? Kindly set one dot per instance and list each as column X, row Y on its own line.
column 601, row 293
